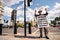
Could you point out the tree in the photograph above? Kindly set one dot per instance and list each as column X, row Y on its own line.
column 57, row 18
column 54, row 22
column 20, row 25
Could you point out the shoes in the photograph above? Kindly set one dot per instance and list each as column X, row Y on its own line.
column 47, row 37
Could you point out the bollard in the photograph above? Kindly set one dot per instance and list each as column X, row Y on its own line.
column 0, row 29
column 29, row 28
column 15, row 28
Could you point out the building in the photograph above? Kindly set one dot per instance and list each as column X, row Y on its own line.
column 1, row 11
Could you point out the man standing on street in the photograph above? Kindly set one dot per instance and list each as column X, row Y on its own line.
column 42, row 22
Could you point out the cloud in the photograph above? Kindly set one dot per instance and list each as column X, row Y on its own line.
column 11, row 2
column 20, row 12
column 55, row 12
column 20, row 7
column 20, row 19
column 7, row 14
column 57, row 6
column 7, row 11
column 29, row 14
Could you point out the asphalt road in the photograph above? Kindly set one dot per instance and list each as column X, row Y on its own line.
column 54, row 34
column 33, row 29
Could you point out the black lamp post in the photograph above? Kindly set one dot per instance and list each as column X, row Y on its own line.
column 25, row 18
column 28, row 3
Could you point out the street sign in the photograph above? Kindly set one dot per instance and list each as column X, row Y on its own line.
column 42, row 21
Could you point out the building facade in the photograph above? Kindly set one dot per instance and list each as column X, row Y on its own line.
column 1, row 11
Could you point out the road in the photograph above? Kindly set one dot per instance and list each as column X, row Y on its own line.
column 54, row 34
column 21, row 30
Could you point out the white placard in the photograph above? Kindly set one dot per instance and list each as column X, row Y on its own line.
column 42, row 21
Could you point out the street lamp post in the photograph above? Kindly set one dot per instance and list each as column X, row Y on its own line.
column 25, row 18
column 28, row 4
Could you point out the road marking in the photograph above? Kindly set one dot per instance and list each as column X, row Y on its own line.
column 35, row 31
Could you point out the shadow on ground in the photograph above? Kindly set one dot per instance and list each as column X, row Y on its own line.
column 33, row 37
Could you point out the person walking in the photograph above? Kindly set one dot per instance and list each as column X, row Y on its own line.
column 42, row 22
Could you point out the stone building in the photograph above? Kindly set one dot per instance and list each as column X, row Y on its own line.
column 1, row 11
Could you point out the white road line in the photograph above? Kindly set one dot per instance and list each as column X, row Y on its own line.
column 35, row 31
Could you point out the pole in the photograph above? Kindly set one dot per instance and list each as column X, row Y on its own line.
column 29, row 28
column 14, row 21
column 0, row 29
column 25, row 18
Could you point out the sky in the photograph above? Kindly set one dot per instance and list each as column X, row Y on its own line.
column 53, row 7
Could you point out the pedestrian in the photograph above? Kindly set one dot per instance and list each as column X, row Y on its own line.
column 42, row 22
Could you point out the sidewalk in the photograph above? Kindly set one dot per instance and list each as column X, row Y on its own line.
column 52, row 36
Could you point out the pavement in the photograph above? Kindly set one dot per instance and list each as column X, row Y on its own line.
column 54, row 34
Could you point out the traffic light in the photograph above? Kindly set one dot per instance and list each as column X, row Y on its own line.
column 28, row 2
column 12, row 16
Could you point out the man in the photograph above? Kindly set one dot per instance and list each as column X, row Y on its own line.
column 43, row 16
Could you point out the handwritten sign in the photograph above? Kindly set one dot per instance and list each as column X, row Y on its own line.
column 42, row 21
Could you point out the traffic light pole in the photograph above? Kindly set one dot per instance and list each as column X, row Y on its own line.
column 25, row 18
column 15, row 25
